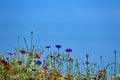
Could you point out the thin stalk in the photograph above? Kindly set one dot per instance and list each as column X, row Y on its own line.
column 26, row 44
column 115, row 63
column 101, row 62
column 18, row 46
column 31, row 41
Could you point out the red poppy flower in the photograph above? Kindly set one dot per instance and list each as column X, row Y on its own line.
column 22, row 51
column 101, row 71
column 37, row 56
column 7, row 67
column 3, row 61
column 68, row 50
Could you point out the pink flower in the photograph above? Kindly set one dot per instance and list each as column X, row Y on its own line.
column 45, row 67
column 47, row 78
column 22, row 51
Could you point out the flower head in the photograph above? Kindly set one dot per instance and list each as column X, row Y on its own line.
column 22, row 51
column 3, row 61
column 68, row 50
column 7, row 67
column 48, row 47
column 47, row 78
column 58, row 46
column 60, row 78
column 38, row 62
column 45, row 67
column 10, row 53
column 101, row 71
column 37, row 56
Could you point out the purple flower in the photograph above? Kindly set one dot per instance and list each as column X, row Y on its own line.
column 47, row 78
column 58, row 46
column 48, row 47
column 68, row 50
column 10, row 53
column 45, row 67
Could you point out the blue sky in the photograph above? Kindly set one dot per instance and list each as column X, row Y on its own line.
column 86, row 26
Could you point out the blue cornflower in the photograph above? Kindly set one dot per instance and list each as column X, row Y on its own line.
column 38, row 62
column 58, row 46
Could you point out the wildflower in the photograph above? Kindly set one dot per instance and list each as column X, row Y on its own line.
column 45, row 67
column 58, row 46
column 37, row 56
column 30, row 78
column 99, row 75
column 3, row 61
column 60, row 78
column 10, row 53
column 38, row 62
column 7, row 67
column 47, row 78
column 48, row 47
column 22, row 51
column 101, row 71
column 68, row 50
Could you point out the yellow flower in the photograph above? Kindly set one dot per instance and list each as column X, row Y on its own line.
column 60, row 78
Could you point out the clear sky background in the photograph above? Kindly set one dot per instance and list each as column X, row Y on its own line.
column 85, row 26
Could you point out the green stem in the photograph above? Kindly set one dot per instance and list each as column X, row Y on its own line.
column 31, row 41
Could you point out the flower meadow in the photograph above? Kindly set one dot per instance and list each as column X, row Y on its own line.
column 26, row 64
